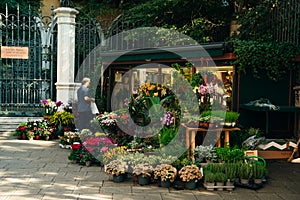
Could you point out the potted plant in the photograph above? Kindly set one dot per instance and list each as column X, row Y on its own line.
column 204, row 153
column 118, row 169
column 244, row 173
column 166, row 174
column 220, row 179
column 209, row 180
column 190, row 174
column 62, row 119
column 230, row 170
column 144, row 173
column 231, row 118
column 258, row 172
column 21, row 131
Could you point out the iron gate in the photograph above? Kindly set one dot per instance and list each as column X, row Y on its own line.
column 24, row 82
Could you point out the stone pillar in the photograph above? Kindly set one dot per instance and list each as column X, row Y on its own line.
column 65, row 85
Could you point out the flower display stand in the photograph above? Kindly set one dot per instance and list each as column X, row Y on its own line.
column 217, row 187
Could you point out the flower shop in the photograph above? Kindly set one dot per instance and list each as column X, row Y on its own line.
column 168, row 123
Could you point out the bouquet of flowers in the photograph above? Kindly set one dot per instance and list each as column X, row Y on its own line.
column 50, row 106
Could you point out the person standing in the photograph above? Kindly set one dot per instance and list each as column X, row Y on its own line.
column 84, row 104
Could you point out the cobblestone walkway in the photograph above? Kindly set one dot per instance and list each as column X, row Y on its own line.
column 41, row 170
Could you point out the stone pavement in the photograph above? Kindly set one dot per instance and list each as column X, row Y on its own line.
column 41, row 170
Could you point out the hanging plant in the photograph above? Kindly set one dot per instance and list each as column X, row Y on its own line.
column 273, row 59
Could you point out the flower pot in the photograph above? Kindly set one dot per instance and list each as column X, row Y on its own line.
column 178, row 184
column 220, row 184
column 23, row 137
column 143, row 180
column 257, row 181
column 210, row 186
column 166, row 184
column 37, row 137
column 119, row 178
column 191, row 185
column 229, row 183
column 244, row 181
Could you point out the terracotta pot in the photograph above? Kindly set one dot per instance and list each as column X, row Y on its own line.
column 37, row 137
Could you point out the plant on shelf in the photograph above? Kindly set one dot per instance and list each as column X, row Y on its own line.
column 220, row 179
column 231, row 118
column 165, row 172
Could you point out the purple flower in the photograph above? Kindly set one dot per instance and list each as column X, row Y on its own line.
column 58, row 103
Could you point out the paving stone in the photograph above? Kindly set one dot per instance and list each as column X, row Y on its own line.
column 137, row 196
column 149, row 189
column 115, row 190
column 59, row 196
column 96, row 197
column 177, row 196
column 25, row 197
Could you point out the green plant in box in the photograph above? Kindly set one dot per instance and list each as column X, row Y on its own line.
column 244, row 171
column 209, row 177
column 258, row 171
column 220, row 177
column 231, row 170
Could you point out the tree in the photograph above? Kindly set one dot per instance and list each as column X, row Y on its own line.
column 13, row 5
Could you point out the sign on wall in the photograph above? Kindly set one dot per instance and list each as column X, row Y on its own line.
column 14, row 52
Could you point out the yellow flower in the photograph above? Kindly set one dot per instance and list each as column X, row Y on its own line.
column 99, row 134
column 195, row 89
column 156, row 94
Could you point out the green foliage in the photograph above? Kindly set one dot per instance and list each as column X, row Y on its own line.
column 231, row 170
column 220, row 177
column 167, row 134
column 274, row 59
column 23, row 6
column 244, row 171
column 231, row 116
column 197, row 19
column 230, row 155
column 209, row 177
column 258, row 170
column 62, row 118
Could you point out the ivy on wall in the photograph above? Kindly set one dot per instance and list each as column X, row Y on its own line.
column 274, row 59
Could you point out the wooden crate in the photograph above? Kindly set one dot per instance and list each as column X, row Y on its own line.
column 275, row 154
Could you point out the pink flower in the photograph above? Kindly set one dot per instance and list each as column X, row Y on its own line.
column 202, row 89
column 104, row 149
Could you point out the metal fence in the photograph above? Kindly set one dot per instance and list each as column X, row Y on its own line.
column 24, row 82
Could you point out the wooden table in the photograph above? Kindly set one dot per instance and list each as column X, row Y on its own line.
column 190, row 134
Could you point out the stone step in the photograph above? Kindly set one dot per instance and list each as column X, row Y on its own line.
column 9, row 124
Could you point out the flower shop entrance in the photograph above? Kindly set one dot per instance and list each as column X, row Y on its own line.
column 127, row 75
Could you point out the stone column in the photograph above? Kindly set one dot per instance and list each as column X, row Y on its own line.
column 65, row 85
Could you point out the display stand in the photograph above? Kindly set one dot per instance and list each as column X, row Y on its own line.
column 190, row 134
